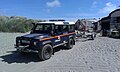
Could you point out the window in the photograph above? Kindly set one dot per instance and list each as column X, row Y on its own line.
column 43, row 28
column 39, row 27
column 118, row 19
column 47, row 28
column 65, row 28
column 58, row 29
column 71, row 28
column 113, row 20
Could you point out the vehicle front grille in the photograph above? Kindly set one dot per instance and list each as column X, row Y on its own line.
column 25, row 41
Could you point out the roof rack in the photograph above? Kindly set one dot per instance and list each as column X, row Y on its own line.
column 57, row 20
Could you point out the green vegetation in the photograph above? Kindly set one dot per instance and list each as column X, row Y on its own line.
column 16, row 24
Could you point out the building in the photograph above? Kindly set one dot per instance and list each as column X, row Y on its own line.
column 105, row 25
column 97, row 26
column 84, row 24
column 110, row 25
column 115, row 23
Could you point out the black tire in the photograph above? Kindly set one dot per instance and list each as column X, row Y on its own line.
column 70, row 44
column 92, row 37
column 46, row 52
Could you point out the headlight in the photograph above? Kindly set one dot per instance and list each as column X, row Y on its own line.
column 35, row 43
column 18, row 41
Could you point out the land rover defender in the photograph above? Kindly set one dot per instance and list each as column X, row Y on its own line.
column 45, row 36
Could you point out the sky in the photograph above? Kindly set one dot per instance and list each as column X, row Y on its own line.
column 58, row 9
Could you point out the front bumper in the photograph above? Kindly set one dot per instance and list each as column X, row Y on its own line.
column 24, row 49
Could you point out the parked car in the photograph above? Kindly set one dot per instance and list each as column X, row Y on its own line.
column 45, row 36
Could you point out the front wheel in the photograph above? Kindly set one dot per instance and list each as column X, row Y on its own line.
column 46, row 52
column 90, row 37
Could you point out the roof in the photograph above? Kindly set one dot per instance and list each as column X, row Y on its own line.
column 57, row 22
column 114, row 11
column 105, row 18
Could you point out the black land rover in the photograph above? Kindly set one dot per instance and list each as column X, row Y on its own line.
column 45, row 36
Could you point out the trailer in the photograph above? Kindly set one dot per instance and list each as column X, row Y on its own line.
column 85, row 29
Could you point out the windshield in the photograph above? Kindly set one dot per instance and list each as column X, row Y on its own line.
column 42, row 28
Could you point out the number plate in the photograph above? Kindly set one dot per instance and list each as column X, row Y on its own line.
column 25, row 41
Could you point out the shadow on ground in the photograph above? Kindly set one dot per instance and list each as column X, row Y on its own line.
column 16, row 57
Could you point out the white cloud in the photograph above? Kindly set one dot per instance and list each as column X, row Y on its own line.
column 54, row 3
column 108, row 8
column 82, row 14
column 94, row 4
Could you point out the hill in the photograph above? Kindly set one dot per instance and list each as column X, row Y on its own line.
column 16, row 24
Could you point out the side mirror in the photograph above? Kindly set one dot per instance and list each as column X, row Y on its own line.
column 31, row 32
column 33, row 26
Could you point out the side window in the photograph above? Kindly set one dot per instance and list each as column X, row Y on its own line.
column 71, row 28
column 65, row 29
column 39, row 27
column 47, row 27
column 58, row 29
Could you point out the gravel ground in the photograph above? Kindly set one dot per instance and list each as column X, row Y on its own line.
column 99, row 55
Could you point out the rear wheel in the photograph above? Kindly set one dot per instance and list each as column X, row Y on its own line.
column 46, row 52
column 70, row 44
column 92, row 37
